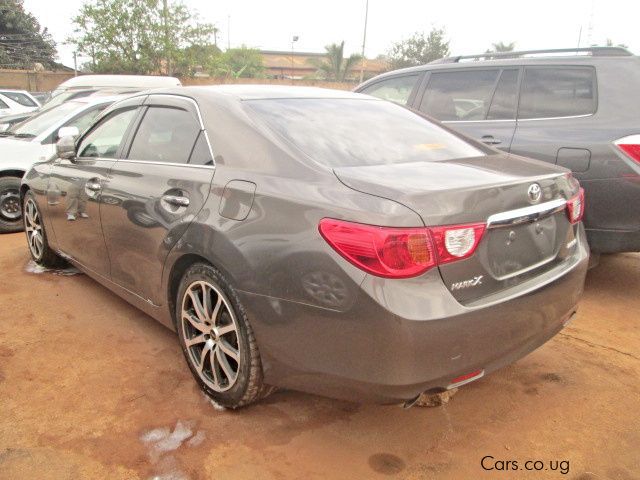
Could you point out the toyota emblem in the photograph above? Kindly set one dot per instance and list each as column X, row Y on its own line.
column 534, row 193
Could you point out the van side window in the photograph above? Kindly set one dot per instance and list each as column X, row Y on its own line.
column 503, row 105
column 396, row 89
column 557, row 92
column 462, row 95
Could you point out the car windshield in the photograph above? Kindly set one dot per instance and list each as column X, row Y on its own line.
column 39, row 123
column 354, row 132
column 64, row 96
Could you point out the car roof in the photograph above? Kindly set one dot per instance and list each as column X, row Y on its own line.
column 261, row 92
column 139, row 81
column 12, row 90
column 603, row 55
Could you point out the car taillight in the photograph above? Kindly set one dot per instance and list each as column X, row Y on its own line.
column 630, row 145
column 575, row 207
column 457, row 242
column 395, row 252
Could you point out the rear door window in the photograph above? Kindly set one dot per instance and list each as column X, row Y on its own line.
column 20, row 98
column 396, row 89
column 461, row 95
column 166, row 134
column 549, row 92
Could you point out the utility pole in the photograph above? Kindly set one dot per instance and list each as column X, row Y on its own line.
column 293, row 40
column 580, row 36
column 364, row 40
column 165, row 15
column 75, row 64
column 228, row 32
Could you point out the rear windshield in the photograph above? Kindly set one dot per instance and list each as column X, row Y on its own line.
column 353, row 132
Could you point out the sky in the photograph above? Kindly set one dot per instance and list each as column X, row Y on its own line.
column 471, row 26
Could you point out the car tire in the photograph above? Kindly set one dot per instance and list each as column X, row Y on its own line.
column 10, row 211
column 217, row 339
column 39, row 248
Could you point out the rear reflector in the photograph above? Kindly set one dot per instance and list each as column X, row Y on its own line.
column 630, row 145
column 393, row 252
column 466, row 378
column 575, row 207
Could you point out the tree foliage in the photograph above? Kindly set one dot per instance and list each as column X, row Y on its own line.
column 335, row 66
column 238, row 62
column 419, row 49
column 23, row 42
column 502, row 47
column 141, row 36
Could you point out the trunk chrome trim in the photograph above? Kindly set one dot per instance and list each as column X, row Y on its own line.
column 526, row 214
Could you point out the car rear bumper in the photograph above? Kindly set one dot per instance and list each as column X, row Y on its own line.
column 401, row 338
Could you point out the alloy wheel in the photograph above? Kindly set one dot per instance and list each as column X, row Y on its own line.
column 33, row 226
column 10, row 204
column 210, row 332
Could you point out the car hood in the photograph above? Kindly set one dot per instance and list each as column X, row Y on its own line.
column 23, row 152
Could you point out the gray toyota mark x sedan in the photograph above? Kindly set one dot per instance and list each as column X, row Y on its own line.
column 312, row 239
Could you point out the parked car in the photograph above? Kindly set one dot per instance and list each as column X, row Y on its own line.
column 34, row 141
column 345, row 246
column 576, row 108
column 85, row 85
column 16, row 101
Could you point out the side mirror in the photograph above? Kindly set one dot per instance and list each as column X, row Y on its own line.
column 68, row 132
column 4, row 127
column 66, row 147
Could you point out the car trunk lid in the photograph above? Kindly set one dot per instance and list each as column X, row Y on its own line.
column 526, row 235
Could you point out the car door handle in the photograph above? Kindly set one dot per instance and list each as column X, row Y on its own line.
column 176, row 200
column 94, row 186
column 490, row 140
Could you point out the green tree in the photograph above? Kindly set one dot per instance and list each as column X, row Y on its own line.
column 139, row 36
column 502, row 47
column 238, row 62
column 419, row 49
column 22, row 41
column 335, row 66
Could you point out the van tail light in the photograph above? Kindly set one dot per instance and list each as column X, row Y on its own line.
column 575, row 207
column 630, row 146
column 393, row 252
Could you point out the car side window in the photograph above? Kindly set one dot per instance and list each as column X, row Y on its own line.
column 105, row 139
column 396, row 89
column 166, row 134
column 201, row 154
column 504, row 103
column 459, row 95
column 20, row 98
column 549, row 92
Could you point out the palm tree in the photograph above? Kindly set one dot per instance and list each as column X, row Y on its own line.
column 502, row 47
column 335, row 66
